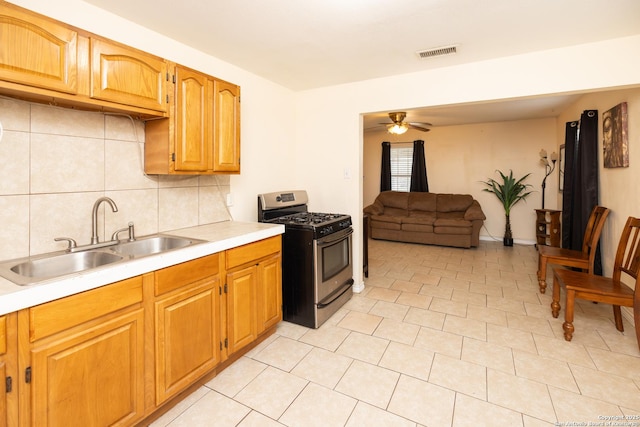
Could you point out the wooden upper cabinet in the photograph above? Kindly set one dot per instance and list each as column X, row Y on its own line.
column 226, row 146
column 193, row 121
column 36, row 51
column 127, row 76
column 202, row 134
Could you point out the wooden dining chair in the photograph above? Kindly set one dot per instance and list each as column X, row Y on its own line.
column 582, row 259
column 609, row 290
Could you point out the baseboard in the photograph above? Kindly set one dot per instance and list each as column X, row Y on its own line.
column 517, row 241
column 357, row 288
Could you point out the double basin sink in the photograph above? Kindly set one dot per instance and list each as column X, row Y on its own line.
column 36, row 269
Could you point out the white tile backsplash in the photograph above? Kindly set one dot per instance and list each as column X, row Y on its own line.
column 14, row 173
column 66, row 164
column 63, row 160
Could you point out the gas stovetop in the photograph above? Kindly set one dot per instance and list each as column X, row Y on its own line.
column 290, row 208
column 310, row 218
column 321, row 223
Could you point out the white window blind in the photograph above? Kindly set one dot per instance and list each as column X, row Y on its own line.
column 401, row 160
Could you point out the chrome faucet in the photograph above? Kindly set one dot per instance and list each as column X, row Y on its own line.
column 94, row 217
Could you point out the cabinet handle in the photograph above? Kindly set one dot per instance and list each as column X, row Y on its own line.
column 8, row 384
column 27, row 375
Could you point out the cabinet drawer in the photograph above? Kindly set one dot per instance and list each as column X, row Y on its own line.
column 3, row 334
column 52, row 317
column 253, row 251
column 174, row 277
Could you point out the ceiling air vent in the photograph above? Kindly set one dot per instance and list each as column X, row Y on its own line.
column 437, row 51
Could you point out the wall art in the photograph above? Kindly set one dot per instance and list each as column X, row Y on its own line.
column 615, row 143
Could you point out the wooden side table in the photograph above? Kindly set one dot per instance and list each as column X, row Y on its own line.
column 548, row 228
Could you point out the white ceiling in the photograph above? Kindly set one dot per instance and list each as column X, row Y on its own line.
column 303, row 44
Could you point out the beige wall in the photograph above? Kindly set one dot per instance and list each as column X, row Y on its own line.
column 619, row 190
column 459, row 157
column 58, row 162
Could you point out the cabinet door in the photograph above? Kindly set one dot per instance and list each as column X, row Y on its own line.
column 36, row 51
column 8, row 371
column 90, row 377
column 241, row 308
column 187, row 338
column 127, row 76
column 193, row 139
column 226, row 145
column 269, row 293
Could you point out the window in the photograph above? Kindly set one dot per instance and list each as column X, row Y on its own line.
column 401, row 161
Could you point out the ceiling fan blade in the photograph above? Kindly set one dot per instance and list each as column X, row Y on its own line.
column 417, row 127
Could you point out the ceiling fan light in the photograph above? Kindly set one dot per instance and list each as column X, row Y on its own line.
column 397, row 129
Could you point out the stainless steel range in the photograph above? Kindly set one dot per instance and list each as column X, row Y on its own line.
column 317, row 267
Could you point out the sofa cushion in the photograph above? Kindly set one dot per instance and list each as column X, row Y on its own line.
column 390, row 211
column 386, row 221
column 445, row 222
column 422, row 202
column 453, row 202
column 418, row 217
column 394, row 199
column 452, row 226
column 423, row 228
column 419, row 221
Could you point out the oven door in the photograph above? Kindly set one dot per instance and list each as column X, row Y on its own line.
column 333, row 262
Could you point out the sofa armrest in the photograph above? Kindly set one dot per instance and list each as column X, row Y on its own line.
column 474, row 212
column 376, row 208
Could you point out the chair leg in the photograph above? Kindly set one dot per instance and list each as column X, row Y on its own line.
column 617, row 316
column 555, row 304
column 542, row 274
column 567, row 326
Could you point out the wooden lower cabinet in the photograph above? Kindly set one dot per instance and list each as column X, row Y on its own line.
column 187, row 325
column 91, row 373
column 241, row 306
column 269, row 292
column 119, row 354
column 253, row 291
column 8, row 371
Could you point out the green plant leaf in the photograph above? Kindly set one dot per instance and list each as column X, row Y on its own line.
column 509, row 191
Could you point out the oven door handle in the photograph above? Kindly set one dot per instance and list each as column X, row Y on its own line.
column 338, row 293
column 339, row 235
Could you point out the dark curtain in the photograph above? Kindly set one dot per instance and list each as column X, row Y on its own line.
column 570, row 147
column 385, row 169
column 580, row 193
column 419, row 169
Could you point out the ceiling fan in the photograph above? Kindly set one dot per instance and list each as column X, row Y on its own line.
column 399, row 126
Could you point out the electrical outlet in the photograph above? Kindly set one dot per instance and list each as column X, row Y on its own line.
column 347, row 173
column 229, row 199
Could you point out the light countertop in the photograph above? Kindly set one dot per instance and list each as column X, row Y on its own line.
column 219, row 236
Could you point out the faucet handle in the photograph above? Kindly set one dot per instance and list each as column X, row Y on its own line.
column 72, row 243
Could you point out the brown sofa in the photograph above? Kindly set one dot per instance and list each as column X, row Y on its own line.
column 430, row 218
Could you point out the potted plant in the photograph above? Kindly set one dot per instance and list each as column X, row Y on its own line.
column 510, row 191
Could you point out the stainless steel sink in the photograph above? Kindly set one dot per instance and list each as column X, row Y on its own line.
column 47, row 267
column 153, row 245
column 27, row 271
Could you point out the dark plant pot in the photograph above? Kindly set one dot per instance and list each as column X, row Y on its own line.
column 508, row 237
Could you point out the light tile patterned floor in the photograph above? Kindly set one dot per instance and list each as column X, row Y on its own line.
column 439, row 337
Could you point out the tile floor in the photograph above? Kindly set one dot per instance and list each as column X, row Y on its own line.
column 439, row 337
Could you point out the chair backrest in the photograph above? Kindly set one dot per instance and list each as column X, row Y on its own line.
column 628, row 253
column 592, row 233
